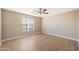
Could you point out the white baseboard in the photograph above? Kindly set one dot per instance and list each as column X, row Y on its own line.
column 78, row 43
column 19, row 36
column 61, row 36
column 0, row 42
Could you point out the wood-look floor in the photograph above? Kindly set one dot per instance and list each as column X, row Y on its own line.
column 40, row 42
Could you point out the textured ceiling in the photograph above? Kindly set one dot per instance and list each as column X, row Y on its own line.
column 51, row 11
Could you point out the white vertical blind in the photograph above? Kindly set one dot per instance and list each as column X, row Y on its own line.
column 27, row 24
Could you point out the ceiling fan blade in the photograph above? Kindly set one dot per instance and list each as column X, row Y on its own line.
column 45, row 13
column 45, row 10
column 35, row 11
column 40, row 11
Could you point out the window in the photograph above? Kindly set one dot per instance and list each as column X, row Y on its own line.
column 27, row 24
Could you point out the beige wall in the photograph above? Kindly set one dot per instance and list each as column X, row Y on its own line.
column 0, row 24
column 78, row 27
column 62, row 24
column 0, row 27
column 11, row 24
column 78, row 24
column 65, row 24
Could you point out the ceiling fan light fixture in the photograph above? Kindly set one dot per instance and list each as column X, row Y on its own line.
column 40, row 11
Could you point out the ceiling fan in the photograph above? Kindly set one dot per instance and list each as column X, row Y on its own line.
column 40, row 11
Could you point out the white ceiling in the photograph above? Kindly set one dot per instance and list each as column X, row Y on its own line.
column 51, row 11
